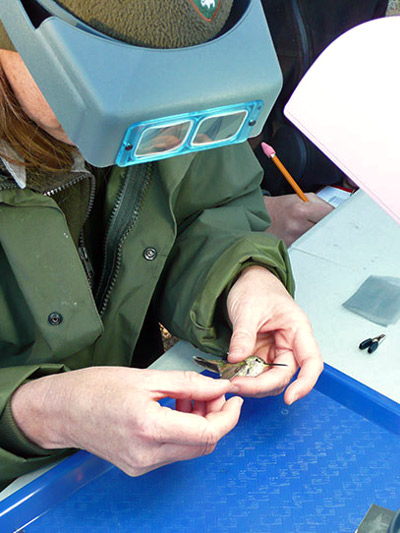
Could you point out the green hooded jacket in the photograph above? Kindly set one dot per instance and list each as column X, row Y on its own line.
column 166, row 242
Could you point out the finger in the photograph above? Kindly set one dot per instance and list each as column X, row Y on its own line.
column 269, row 383
column 168, row 454
column 307, row 378
column 243, row 339
column 199, row 408
column 184, row 385
column 163, row 455
column 184, row 406
column 203, row 408
column 305, row 226
column 189, row 429
column 309, row 358
column 226, row 419
column 317, row 208
column 215, row 405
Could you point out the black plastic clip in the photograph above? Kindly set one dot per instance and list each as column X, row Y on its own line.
column 372, row 343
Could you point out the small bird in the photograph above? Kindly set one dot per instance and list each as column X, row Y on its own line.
column 251, row 366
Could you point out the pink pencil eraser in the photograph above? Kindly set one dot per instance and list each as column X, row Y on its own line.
column 267, row 149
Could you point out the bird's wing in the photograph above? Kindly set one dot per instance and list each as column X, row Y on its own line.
column 209, row 364
column 229, row 371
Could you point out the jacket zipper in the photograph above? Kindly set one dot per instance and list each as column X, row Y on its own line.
column 6, row 186
column 123, row 218
column 82, row 251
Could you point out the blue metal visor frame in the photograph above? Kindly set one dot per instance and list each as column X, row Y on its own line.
column 189, row 132
column 123, row 104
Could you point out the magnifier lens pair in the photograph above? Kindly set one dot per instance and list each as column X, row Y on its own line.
column 181, row 134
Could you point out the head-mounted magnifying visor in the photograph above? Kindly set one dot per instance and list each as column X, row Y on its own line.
column 123, row 104
column 189, row 132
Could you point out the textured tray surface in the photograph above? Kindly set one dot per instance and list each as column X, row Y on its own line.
column 313, row 467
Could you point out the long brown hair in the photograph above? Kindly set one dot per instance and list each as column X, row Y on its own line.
column 38, row 150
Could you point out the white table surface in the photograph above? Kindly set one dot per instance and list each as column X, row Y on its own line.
column 330, row 262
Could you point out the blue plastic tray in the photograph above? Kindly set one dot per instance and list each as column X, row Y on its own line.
column 316, row 466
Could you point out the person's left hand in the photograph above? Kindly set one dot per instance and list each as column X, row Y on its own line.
column 291, row 217
column 267, row 322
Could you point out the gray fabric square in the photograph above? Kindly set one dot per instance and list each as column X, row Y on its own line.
column 378, row 300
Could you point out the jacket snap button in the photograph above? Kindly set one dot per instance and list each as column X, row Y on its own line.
column 150, row 254
column 55, row 319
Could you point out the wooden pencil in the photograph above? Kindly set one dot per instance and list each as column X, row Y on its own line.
column 270, row 152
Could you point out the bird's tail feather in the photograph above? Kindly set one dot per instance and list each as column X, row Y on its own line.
column 209, row 364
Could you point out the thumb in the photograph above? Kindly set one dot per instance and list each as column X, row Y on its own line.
column 243, row 340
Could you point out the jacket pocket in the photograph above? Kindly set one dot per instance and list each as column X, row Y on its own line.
column 45, row 294
column 17, row 330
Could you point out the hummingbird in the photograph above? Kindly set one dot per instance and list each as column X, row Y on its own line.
column 251, row 366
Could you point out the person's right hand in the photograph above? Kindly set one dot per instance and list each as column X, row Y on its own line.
column 291, row 217
column 114, row 413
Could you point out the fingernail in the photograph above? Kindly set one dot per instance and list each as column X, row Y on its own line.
column 235, row 356
column 293, row 399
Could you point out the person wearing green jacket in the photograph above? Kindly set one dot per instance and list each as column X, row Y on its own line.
column 92, row 259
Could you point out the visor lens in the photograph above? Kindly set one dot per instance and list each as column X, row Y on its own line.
column 218, row 128
column 157, row 139
column 160, row 138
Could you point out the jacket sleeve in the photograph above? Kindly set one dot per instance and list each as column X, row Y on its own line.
column 17, row 454
column 221, row 230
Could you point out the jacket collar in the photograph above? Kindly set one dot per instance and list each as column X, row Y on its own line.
column 17, row 172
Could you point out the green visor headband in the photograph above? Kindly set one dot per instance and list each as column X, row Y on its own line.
column 125, row 104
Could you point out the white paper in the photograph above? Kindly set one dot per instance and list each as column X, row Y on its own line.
column 333, row 195
column 348, row 104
